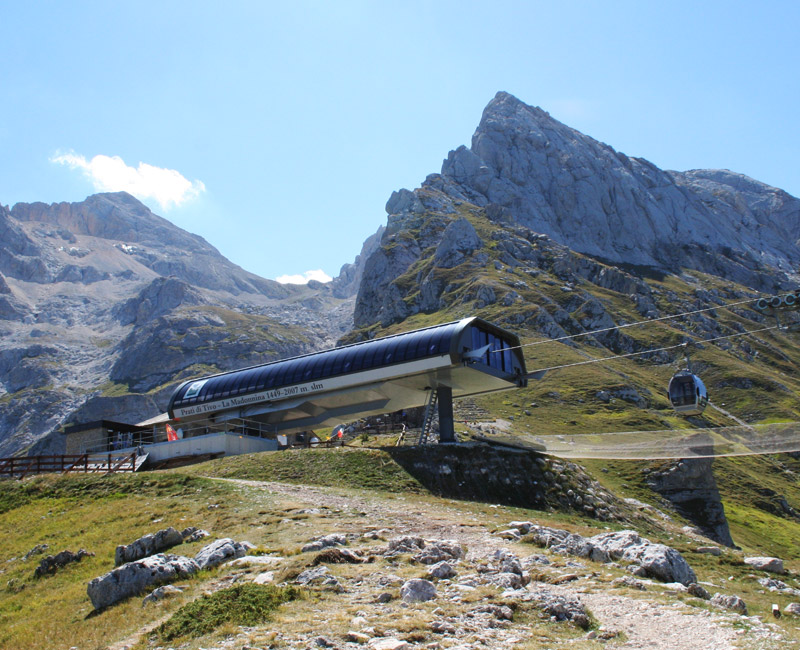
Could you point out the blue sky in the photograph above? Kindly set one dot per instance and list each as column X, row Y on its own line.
column 278, row 131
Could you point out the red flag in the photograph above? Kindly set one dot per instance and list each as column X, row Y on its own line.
column 172, row 435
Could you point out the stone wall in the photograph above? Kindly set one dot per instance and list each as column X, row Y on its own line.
column 479, row 472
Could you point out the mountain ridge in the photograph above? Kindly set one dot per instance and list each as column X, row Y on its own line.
column 93, row 291
column 598, row 201
column 525, row 169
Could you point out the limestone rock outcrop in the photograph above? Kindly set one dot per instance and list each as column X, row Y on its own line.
column 598, row 201
column 147, row 545
column 134, row 577
column 527, row 172
column 655, row 560
column 53, row 563
column 690, row 486
column 220, row 551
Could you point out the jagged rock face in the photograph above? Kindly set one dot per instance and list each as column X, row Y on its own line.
column 691, row 487
column 544, row 185
column 459, row 241
column 160, row 297
column 597, row 201
column 94, row 231
column 159, row 351
column 346, row 284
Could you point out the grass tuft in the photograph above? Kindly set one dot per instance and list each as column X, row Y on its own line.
column 247, row 604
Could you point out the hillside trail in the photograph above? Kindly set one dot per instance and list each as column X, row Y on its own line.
column 645, row 622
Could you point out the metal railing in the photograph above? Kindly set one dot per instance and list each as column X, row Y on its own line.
column 109, row 463
column 115, row 442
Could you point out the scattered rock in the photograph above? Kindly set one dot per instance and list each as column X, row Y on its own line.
column 524, row 527
column 417, row 590
column 442, row 627
column 220, row 551
column 319, row 575
column 356, row 637
column 193, row 534
column 698, row 591
column 327, row 541
column 507, row 562
column 388, row 644
column 771, row 564
column 256, row 560
column 405, row 544
column 500, row 612
column 338, row 556
column 441, row 570
column 264, row 578
column 629, row 581
column 651, row 560
column 159, row 593
column 390, row 581
column 711, row 550
column 562, row 608
column 658, row 560
column 506, row 580
column 436, row 551
column 732, row 602
column 148, row 545
column 53, row 563
column 36, row 550
column 134, row 577
column 792, row 609
column 774, row 584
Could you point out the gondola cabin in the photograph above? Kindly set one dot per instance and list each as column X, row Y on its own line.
column 687, row 393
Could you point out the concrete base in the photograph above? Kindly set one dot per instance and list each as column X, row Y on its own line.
column 229, row 444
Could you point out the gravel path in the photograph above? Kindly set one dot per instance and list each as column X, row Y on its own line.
column 644, row 622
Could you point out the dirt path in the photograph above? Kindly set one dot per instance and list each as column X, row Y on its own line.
column 649, row 621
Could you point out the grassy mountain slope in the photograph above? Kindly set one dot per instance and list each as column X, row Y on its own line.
column 541, row 290
column 366, row 492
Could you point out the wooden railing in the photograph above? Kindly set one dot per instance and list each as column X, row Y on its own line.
column 66, row 463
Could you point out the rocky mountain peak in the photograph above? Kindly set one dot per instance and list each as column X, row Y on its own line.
column 555, row 180
column 117, row 216
column 532, row 176
column 104, row 296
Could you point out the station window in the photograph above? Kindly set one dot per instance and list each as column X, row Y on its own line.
column 338, row 362
column 295, row 375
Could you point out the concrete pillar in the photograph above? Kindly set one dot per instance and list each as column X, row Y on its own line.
column 446, row 431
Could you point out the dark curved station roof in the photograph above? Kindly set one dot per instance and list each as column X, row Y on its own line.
column 434, row 341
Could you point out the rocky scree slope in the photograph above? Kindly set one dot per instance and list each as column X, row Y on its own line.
column 104, row 305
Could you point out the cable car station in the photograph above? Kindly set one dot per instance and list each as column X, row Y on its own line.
column 272, row 405
column 427, row 367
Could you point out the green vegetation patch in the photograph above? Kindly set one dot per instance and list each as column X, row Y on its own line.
column 247, row 604
column 14, row 493
column 371, row 469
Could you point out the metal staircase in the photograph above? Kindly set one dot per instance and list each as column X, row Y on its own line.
column 431, row 414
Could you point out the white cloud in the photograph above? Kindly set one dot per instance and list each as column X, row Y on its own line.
column 110, row 174
column 319, row 275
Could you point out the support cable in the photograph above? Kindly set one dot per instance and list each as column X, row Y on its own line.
column 642, row 352
column 624, row 325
